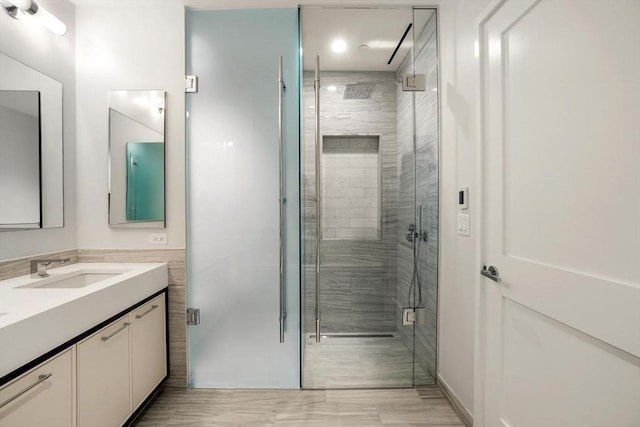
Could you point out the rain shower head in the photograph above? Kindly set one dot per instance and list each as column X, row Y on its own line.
column 359, row 91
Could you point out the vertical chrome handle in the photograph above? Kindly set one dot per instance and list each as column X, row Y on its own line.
column 316, row 88
column 41, row 378
column 282, row 313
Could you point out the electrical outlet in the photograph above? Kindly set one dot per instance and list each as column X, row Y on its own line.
column 158, row 238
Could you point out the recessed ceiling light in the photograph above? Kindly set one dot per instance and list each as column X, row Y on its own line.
column 332, row 88
column 338, row 46
column 363, row 47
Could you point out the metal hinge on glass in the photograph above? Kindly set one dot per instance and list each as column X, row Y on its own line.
column 414, row 82
column 193, row 316
column 414, row 316
column 191, row 84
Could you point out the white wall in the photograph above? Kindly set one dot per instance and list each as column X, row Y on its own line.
column 54, row 56
column 121, row 48
column 459, row 77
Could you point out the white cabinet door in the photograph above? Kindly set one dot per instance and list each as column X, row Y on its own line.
column 42, row 397
column 562, row 205
column 104, row 392
column 148, row 348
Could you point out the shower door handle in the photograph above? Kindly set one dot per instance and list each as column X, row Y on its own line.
column 282, row 315
column 316, row 88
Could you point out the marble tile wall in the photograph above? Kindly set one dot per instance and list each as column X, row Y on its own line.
column 358, row 276
column 425, row 179
column 350, row 188
column 176, row 303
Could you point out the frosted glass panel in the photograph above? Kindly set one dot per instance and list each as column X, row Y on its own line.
column 233, row 198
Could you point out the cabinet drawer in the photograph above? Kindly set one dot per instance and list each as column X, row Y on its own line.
column 103, row 376
column 148, row 348
column 43, row 396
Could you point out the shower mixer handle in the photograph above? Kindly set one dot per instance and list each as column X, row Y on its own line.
column 413, row 234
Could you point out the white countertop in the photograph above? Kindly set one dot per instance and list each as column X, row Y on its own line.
column 34, row 321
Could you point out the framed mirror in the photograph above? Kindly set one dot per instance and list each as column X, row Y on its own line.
column 31, row 148
column 136, row 158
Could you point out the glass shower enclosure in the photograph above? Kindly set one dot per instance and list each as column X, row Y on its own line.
column 370, row 197
column 312, row 200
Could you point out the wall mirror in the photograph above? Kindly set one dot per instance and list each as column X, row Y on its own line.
column 31, row 151
column 136, row 158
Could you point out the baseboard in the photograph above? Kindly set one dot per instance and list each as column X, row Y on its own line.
column 462, row 412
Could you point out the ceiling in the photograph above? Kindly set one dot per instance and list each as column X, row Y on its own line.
column 258, row 4
column 379, row 29
column 371, row 22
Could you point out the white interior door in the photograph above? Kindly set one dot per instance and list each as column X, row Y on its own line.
column 562, row 194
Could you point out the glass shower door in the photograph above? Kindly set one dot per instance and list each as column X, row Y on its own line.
column 366, row 245
column 241, row 211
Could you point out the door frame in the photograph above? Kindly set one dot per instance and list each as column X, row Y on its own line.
column 480, row 207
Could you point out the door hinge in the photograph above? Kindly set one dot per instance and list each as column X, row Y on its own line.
column 193, row 316
column 414, row 82
column 191, row 83
column 414, row 316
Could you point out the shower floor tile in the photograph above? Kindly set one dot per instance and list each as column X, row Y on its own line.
column 374, row 407
column 354, row 362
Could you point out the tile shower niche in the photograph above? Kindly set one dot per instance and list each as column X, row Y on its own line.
column 351, row 187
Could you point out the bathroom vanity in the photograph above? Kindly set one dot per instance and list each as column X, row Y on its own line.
column 86, row 346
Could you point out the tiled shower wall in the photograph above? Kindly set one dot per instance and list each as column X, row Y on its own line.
column 358, row 276
column 426, row 195
column 350, row 188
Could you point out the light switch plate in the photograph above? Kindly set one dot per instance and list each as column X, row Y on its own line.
column 464, row 225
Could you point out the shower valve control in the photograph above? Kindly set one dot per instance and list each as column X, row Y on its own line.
column 413, row 234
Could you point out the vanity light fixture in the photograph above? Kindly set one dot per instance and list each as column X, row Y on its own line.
column 29, row 9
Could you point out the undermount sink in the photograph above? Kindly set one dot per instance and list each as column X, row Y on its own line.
column 76, row 279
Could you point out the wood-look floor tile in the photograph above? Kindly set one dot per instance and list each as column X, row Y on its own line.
column 375, row 407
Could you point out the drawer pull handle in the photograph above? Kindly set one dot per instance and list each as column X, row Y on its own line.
column 41, row 378
column 153, row 307
column 108, row 337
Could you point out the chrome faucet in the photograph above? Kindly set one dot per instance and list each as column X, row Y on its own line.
column 39, row 266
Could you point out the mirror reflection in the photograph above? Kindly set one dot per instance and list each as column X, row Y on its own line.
column 136, row 158
column 20, row 159
column 31, row 152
